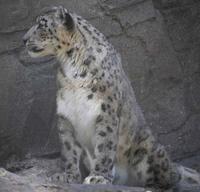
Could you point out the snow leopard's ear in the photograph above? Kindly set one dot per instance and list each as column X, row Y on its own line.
column 65, row 18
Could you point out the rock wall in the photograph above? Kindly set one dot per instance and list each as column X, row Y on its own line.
column 159, row 44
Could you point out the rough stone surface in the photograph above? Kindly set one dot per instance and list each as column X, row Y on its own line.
column 181, row 19
column 31, row 180
column 159, row 44
column 33, row 175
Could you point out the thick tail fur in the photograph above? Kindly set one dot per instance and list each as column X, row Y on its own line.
column 189, row 179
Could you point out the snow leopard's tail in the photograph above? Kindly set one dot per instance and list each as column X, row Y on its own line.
column 189, row 176
column 189, row 179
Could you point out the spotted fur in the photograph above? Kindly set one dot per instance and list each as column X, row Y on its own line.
column 108, row 129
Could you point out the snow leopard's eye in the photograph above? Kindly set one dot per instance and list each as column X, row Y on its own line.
column 38, row 18
column 42, row 22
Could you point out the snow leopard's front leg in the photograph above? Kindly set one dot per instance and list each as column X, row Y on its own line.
column 70, row 154
column 106, row 137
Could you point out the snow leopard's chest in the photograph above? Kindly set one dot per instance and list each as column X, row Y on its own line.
column 80, row 111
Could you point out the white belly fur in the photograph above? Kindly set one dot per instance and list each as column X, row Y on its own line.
column 81, row 112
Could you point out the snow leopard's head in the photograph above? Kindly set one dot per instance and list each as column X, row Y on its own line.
column 53, row 31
